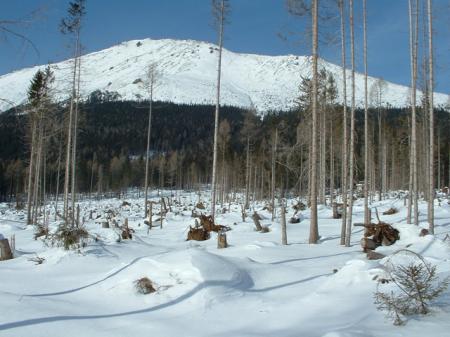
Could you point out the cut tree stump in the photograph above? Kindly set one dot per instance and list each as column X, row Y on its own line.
column 424, row 232
column 5, row 249
column 256, row 219
column 283, row 226
column 337, row 210
column 368, row 244
column 127, row 231
column 222, row 240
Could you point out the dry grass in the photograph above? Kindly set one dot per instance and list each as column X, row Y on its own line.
column 144, row 286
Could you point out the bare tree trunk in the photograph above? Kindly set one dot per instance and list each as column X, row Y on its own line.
column 323, row 159
column 413, row 27
column 366, row 122
column 331, row 164
column 431, row 113
column 75, row 133
column 247, row 175
column 216, row 116
column 58, row 176
column 30, row 171
column 148, row 147
column 274, row 158
column 69, row 137
column 283, row 225
column 352, row 130
column 344, row 132
column 314, row 228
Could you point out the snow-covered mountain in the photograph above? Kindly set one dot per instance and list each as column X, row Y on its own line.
column 189, row 74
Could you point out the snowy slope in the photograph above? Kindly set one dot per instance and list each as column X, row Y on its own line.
column 256, row 287
column 189, row 75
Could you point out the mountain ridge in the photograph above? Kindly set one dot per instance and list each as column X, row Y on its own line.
column 188, row 70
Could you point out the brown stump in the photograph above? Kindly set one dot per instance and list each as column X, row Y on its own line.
column 424, row 232
column 5, row 250
column 337, row 211
column 222, row 240
column 256, row 219
column 368, row 244
column 283, row 226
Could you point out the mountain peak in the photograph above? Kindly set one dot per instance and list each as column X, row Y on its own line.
column 188, row 75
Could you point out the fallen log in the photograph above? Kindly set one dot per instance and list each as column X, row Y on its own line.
column 390, row 211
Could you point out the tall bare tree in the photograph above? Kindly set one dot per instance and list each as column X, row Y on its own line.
column 273, row 172
column 352, row 128
column 39, row 99
column 72, row 25
column 413, row 43
column 366, row 122
column 220, row 9
column 344, row 186
column 314, row 228
column 431, row 116
column 152, row 77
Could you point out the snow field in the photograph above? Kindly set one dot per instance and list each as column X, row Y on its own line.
column 256, row 287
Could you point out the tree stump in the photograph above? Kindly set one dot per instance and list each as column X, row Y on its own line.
column 368, row 244
column 336, row 211
column 243, row 214
column 222, row 240
column 424, row 232
column 105, row 224
column 283, row 226
column 256, row 219
column 5, row 249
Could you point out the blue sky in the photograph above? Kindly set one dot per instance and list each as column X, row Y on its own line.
column 254, row 28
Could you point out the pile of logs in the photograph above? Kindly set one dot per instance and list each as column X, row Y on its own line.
column 380, row 234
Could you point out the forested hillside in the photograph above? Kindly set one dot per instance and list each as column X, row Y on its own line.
column 112, row 140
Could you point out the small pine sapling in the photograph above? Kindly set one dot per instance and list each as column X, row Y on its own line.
column 412, row 288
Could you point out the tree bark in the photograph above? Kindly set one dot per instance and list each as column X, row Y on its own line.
column 366, row 122
column 352, row 130
column 148, row 144
column 216, row 115
column 344, row 186
column 283, row 225
column 314, row 229
column 431, row 117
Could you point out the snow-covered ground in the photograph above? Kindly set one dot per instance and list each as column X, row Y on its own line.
column 255, row 287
